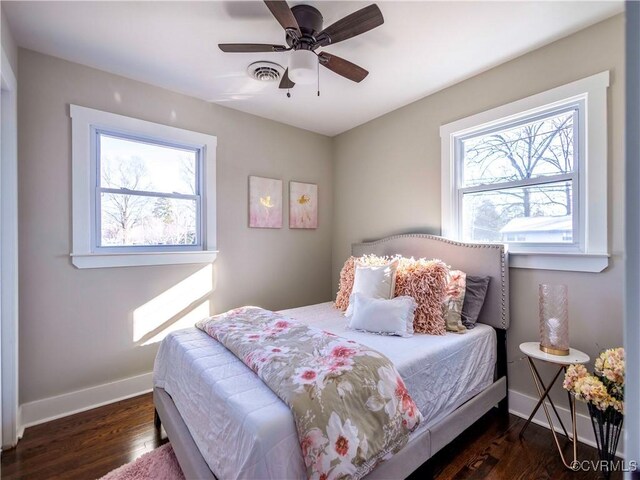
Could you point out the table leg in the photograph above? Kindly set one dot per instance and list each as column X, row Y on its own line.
column 560, row 370
column 572, row 405
column 543, row 395
column 572, row 400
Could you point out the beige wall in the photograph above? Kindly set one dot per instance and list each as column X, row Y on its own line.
column 387, row 181
column 8, row 44
column 76, row 325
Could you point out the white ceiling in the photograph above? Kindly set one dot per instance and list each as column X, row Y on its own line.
column 421, row 48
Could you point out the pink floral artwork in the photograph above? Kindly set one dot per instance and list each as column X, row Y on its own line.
column 303, row 205
column 265, row 202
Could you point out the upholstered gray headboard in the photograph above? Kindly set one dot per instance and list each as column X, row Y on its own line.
column 471, row 258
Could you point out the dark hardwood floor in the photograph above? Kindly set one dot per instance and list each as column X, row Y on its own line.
column 491, row 449
column 85, row 446
column 90, row 444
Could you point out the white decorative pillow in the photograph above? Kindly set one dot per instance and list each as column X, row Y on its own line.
column 375, row 281
column 382, row 316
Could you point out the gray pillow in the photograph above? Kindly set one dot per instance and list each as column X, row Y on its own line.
column 474, row 299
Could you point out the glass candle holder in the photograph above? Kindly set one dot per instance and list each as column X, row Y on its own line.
column 554, row 319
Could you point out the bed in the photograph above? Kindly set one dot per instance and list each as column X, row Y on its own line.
column 223, row 422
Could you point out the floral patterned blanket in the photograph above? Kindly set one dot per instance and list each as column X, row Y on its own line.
column 350, row 405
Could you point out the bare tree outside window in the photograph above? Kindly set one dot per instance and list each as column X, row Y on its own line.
column 123, row 212
column 148, row 193
column 516, row 186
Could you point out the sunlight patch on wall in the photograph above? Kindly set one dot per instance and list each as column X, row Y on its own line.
column 186, row 321
column 175, row 305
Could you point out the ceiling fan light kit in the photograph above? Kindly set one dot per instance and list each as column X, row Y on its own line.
column 303, row 66
column 304, row 35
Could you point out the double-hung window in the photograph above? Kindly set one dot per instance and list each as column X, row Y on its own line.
column 147, row 194
column 532, row 174
column 143, row 193
column 518, row 182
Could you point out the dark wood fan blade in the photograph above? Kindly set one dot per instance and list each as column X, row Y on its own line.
column 250, row 47
column 284, row 15
column 343, row 67
column 286, row 82
column 357, row 23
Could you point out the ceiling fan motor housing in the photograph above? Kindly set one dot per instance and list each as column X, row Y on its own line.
column 310, row 22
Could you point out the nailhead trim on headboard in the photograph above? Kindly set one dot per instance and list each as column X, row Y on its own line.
column 500, row 247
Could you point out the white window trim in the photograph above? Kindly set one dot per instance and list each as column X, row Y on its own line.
column 84, row 254
column 592, row 174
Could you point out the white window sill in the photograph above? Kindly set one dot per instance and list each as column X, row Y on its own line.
column 572, row 262
column 109, row 260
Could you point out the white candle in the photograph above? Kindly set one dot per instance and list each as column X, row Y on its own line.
column 553, row 327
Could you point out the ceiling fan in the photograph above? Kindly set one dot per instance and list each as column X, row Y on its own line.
column 304, row 35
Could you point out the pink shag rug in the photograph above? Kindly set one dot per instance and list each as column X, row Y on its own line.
column 158, row 464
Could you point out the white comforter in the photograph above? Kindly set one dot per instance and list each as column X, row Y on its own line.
column 243, row 430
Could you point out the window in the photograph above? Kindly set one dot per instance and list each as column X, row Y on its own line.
column 147, row 194
column 532, row 174
column 517, row 181
column 143, row 193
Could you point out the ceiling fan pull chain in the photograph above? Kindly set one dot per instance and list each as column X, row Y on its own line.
column 288, row 93
column 318, row 70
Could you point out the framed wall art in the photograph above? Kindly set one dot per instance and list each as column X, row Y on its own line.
column 265, row 202
column 303, row 205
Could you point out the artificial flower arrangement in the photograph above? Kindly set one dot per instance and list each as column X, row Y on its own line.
column 604, row 389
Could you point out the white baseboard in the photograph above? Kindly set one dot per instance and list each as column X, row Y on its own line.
column 522, row 405
column 40, row 411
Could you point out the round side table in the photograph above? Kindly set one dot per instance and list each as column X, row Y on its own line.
column 533, row 352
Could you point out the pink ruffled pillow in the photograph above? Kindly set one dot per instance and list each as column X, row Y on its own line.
column 347, row 276
column 425, row 281
column 345, row 285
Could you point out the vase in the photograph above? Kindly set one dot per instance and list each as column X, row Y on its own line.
column 607, row 426
column 554, row 319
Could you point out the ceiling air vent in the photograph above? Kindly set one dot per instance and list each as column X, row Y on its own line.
column 265, row 71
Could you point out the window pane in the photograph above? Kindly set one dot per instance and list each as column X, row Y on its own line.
column 536, row 214
column 140, row 220
column 136, row 165
column 536, row 149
